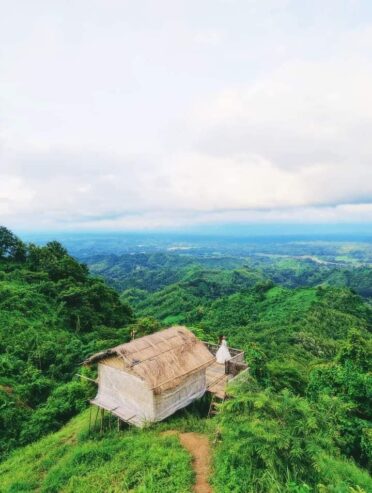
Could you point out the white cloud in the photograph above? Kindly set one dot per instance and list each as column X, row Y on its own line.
column 122, row 117
column 15, row 196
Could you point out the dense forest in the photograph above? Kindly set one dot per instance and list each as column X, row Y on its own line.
column 153, row 271
column 52, row 314
column 299, row 422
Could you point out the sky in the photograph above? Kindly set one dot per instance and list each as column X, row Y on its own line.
column 161, row 114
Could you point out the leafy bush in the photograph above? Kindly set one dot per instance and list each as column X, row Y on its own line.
column 280, row 442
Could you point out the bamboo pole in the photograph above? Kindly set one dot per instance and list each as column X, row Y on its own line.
column 95, row 421
column 86, row 378
column 102, row 415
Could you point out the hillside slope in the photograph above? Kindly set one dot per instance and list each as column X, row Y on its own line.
column 52, row 315
column 261, row 442
column 71, row 461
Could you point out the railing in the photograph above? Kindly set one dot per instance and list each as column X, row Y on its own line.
column 235, row 364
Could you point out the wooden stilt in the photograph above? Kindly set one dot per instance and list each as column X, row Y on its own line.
column 90, row 418
column 95, row 420
column 102, row 416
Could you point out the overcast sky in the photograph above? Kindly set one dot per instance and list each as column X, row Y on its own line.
column 122, row 114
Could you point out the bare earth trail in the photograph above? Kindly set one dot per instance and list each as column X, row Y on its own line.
column 198, row 446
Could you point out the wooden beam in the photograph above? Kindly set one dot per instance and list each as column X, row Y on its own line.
column 86, row 378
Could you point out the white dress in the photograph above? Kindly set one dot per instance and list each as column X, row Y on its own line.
column 223, row 353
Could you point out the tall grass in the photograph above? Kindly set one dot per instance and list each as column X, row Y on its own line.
column 70, row 461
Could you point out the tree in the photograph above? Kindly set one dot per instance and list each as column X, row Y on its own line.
column 144, row 326
column 11, row 246
column 54, row 259
column 349, row 379
column 356, row 350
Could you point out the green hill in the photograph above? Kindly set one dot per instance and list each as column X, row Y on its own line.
column 298, row 422
column 198, row 288
column 154, row 271
column 52, row 315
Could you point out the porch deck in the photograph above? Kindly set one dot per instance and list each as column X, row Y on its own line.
column 218, row 376
column 217, row 380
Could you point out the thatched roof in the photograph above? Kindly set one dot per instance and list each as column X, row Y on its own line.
column 162, row 359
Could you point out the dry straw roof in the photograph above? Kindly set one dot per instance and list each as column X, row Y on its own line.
column 162, row 359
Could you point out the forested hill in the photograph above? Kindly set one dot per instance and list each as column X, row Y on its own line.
column 154, row 271
column 52, row 315
column 299, row 422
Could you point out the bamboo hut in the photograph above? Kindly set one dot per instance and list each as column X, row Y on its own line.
column 150, row 378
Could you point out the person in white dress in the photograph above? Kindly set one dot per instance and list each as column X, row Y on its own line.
column 223, row 353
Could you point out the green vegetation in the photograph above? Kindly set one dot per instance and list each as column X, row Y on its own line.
column 71, row 461
column 307, row 347
column 299, row 422
column 173, row 303
column 153, row 272
column 280, row 442
column 52, row 315
column 301, row 272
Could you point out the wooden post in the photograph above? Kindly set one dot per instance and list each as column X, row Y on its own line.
column 95, row 420
column 102, row 416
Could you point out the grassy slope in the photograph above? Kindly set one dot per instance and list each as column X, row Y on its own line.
column 71, row 461
column 147, row 461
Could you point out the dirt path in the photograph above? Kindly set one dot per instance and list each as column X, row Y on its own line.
column 198, row 446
